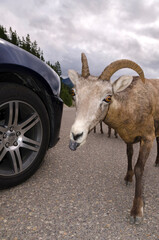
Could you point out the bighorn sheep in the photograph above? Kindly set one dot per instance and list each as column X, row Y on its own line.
column 109, row 130
column 101, row 128
column 130, row 105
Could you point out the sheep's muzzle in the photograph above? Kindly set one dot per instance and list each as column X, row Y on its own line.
column 73, row 145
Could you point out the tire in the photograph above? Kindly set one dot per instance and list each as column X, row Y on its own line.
column 24, row 133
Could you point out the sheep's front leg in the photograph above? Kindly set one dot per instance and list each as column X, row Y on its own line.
column 157, row 158
column 101, row 128
column 137, row 209
column 130, row 172
column 109, row 131
column 115, row 134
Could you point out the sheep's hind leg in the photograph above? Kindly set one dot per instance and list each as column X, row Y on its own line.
column 130, row 172
column 157, row 158
column 138, row 204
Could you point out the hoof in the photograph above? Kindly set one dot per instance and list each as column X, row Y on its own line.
column 129, row 177
column 156, row 164
column 127, row 183
column 136, row 220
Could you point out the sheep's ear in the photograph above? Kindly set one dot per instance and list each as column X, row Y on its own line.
column 122, row 83
column 73, row 75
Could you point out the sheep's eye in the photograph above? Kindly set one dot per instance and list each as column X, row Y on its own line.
column 73, row 92
column 107, row 99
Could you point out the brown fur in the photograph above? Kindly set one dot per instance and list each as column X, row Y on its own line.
column 136, row 111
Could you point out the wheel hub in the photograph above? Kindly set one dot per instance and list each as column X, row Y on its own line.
column 10, row 138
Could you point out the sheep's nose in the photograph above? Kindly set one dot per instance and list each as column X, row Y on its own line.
column 77, row 136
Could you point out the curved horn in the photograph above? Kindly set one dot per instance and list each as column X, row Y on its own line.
column 85, row 68
column 119, row 64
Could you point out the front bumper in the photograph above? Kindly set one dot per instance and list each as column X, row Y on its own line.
column 55, row 120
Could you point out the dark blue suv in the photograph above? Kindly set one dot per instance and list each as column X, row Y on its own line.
column 30, row 113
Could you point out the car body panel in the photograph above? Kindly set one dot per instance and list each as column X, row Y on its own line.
column 13, row 55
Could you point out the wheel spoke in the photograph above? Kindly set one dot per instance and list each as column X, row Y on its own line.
column 29, row 123
column 1, row 147
column 2, row 129
column 1, row 136
column 31, row 141
column 19, row 159
column 2, row 154
column 12, row 153
column 15, row 122
column 27, row 146
column 26, row 122
column 10, row 114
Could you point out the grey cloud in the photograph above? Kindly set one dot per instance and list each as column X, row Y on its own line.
column 93, row 6
column 41, row 22
column 139, row 11
column 152, row 31
column 40, row 2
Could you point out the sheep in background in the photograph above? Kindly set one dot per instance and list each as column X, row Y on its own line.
column 109, row 130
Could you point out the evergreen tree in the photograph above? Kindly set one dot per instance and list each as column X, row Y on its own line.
column 34, row 48
column 65, row 95
column 3, row 33
column 13, row 37
column 58, row 68
column 41, row 57
column 28, row 43
column 22, row 43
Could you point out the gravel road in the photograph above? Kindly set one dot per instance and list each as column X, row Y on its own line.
column 81, row 195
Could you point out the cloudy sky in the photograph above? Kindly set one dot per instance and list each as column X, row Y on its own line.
column 106, row 30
